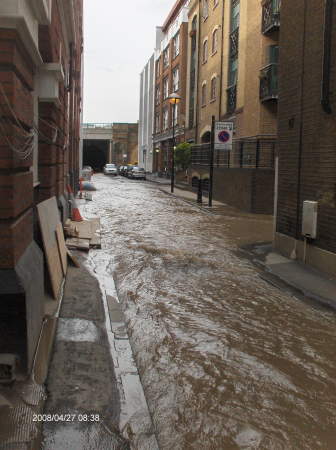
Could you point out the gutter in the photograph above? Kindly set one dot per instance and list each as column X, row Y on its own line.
column 328, row 22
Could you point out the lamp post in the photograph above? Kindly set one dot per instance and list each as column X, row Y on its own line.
column 173, row 100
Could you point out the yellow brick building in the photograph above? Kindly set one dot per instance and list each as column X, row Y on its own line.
column 234, row 53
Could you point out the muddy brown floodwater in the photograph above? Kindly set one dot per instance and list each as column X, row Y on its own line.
column 227, row 361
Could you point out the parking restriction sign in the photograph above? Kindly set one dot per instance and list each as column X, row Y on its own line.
column 223, row 135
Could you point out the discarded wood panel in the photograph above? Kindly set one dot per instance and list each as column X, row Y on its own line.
column 73, row 259
column 82, row 230
column 49, row 218
column 62, row 248
column 95, row 242
column 80, row 244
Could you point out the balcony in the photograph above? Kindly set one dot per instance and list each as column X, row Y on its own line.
column 231, row 99
column 269, row 83
column 271, row 16
column 234, row 43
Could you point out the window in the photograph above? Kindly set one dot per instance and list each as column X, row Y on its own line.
column 165, row 88
column 214, row 41
column 233, row 72
column 174, row 117
column 157, row 95
column 165, row 119
column 203, row 94
column 157, row 123
column 157, row 68
column 176, row 45
column 235, row 12
column 205, row 51
column 205, row 9
column 214, row 88
column 176, row 79
column 166, row 57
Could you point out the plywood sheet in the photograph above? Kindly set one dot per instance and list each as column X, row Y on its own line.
column 62, row 248
column 49, row 219
column 80, row 244
column 95, row 241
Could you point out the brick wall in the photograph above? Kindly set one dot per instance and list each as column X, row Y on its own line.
column 250, row 190
column 16, row 187
column 307, row 135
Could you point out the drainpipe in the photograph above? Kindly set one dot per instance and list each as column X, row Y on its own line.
column 221, row 63
column 299, row 171
column 328, row 22
column 198, row 69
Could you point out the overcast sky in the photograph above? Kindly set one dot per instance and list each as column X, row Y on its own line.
column 119, row 40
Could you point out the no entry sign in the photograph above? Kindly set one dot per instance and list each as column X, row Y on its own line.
column 223, row 135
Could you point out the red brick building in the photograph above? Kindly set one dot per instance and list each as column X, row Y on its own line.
column 40, row 105
column 307, row 131
column 170, row 77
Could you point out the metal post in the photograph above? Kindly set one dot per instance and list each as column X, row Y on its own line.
column 199, row 191
column 212, row 145
column 241, row 157
column 173, row 156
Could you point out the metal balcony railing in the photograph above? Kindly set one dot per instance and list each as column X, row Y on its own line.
column 269, row 82
column 271, row 15
column 231, row 98
column 234, row 43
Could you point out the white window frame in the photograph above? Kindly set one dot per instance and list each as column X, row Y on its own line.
column 176, row 83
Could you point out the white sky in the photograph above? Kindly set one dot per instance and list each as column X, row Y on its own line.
column 119, row 40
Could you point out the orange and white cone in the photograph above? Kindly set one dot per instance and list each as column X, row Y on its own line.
column 75, row 213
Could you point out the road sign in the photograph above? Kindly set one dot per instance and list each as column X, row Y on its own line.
column 223, row 135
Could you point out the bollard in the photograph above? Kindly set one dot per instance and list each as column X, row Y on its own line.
column 199, row 191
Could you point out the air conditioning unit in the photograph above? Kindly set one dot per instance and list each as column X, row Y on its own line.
column 309, row 219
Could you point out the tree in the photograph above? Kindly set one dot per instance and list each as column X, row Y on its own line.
column 183, row 155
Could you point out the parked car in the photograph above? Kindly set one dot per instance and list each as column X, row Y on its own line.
column 110, row 169
column 137, row 172
column 128, row 170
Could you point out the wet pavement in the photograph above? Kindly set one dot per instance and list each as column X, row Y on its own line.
column 227, row 361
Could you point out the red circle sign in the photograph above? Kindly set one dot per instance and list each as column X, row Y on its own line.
column 223, row 136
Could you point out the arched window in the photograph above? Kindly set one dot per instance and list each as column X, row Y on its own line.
column 213, row 88
column 203, row 96
column 205, row 51
column 214, row 41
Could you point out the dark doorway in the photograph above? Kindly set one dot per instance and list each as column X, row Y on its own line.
column 95, row 153
column 206, row 137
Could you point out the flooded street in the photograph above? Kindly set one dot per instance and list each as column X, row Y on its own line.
column 227, row 361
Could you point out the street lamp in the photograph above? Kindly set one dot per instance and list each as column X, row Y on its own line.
column 173, row 100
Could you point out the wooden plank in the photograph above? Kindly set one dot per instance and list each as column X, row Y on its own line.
column 80, row 244
column 62, row 248
column 82, row 230
column 95, row 242
column 49, row 218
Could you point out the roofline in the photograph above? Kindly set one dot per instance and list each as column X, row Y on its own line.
column 173, row 13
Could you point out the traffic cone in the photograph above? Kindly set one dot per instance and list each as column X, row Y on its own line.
column 75, row 214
